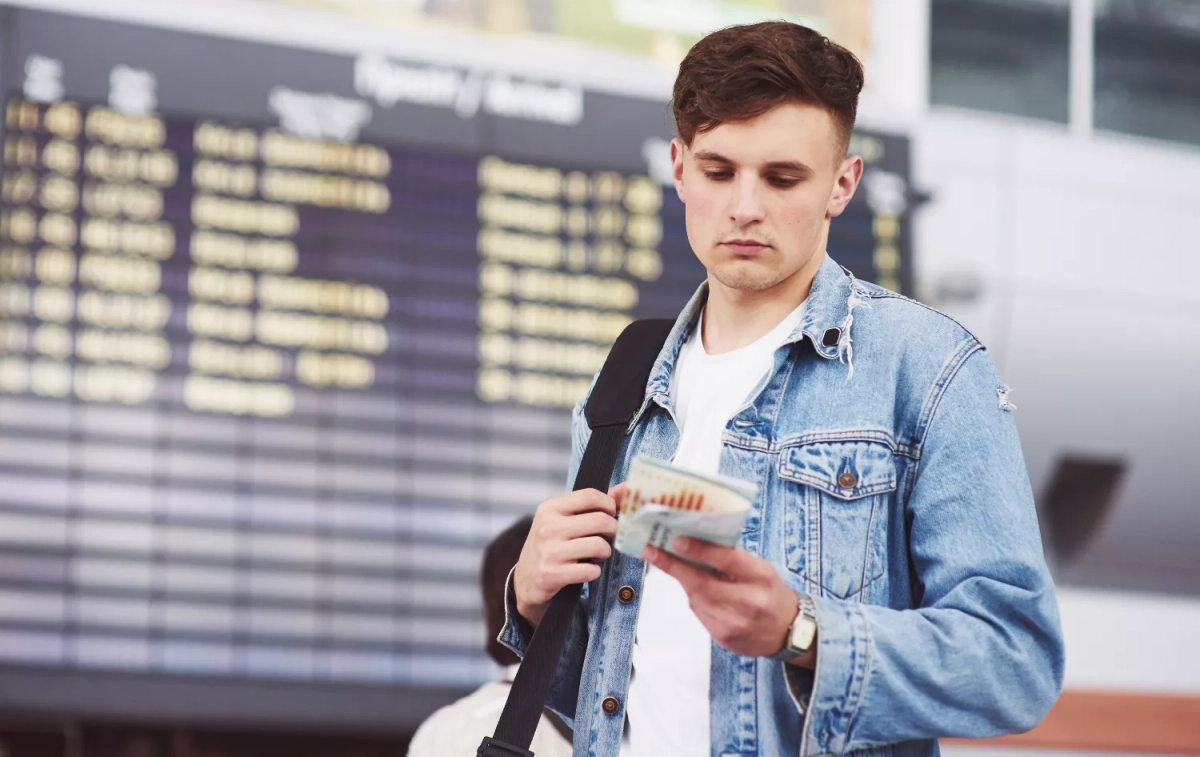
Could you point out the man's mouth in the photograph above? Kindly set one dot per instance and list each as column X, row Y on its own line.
column 745, row 246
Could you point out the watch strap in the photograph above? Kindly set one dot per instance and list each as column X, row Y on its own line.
column 807, row 610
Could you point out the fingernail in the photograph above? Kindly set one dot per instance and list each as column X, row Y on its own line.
column 682, row 543
column 648, row 554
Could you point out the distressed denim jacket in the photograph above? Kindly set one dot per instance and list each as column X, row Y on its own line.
column 893, row 490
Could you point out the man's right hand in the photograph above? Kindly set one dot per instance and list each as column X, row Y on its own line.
column 566, row 531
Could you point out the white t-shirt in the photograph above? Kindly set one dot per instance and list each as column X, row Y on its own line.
column 668, row 701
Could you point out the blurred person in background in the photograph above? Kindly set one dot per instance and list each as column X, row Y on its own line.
column 457, row 728
column 890, row 586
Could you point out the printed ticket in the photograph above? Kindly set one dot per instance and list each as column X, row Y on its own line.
column 663, row 501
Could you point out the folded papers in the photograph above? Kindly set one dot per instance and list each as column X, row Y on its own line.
column 663, row 501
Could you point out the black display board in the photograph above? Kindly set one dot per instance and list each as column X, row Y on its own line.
column 286, row 337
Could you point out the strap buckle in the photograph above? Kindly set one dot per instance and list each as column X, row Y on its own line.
column 491, row 747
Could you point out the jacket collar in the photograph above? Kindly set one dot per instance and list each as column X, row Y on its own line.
column 826, row 324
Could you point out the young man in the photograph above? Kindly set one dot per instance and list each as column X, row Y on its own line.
column 889, row 587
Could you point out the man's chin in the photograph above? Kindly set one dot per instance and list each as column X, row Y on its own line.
column 745, row 275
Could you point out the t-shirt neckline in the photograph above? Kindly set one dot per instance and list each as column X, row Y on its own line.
column 774, row 337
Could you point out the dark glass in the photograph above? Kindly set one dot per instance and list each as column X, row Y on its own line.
column 1003, row 56
column 1148, row 68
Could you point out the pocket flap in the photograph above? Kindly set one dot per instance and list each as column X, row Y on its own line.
column 846, row 470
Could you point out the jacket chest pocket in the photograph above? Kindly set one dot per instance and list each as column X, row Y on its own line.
column 836, row 522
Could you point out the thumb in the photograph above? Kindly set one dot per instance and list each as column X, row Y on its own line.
column 618, row 493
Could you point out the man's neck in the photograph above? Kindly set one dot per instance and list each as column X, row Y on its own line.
column 734, row 318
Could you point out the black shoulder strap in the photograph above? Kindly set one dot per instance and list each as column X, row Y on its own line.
column 615, row 399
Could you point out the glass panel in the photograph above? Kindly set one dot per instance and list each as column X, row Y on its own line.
column 1148, row 68
column 1005, row 56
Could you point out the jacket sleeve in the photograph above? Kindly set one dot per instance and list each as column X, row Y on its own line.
column 981, row 654
column 517, row 633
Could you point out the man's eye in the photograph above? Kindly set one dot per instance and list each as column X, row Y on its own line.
column 783, row 182
column 717, row 175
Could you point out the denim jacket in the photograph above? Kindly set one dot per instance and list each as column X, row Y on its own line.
column 892, row 489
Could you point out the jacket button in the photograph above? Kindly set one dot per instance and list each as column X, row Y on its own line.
column 847, row 480
column 610, row 705
column 626, row 594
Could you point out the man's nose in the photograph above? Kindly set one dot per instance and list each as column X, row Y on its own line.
column 747, row 205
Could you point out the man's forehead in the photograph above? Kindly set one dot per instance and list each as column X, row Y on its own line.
column 792, row 132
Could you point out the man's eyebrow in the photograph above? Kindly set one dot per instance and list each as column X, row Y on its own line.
column 775, row 165
column 789, row 165
column 714, row 157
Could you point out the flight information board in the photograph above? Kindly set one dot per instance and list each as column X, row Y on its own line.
column 287, row 336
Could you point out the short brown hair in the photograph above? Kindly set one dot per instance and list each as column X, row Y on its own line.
column 741, row 72
column 498, row 559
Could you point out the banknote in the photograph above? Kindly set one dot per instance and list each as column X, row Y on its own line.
column 663, row 501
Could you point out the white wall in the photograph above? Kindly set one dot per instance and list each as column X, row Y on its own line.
column 1088, row 255
column 1087, row 252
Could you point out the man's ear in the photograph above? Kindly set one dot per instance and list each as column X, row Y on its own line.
column 849, row 174
column 678, row 150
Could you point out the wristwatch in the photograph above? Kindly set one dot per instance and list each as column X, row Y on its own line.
column 802, row 633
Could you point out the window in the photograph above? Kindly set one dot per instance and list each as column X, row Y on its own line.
column 1081, row 493
column 1148, row 68
column 1005, row 56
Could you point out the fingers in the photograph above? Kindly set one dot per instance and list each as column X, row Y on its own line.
column 618, row 493
column 558, row 569
column 587, row 524
column 587, row 548
column 747, row 612
column 566, row 530
column 569, row 532
column 584, row 500
column 692, row 579
column 728, row 560
column 554, row 565
column 580, row 573
column 532, row 599
column 732, row 570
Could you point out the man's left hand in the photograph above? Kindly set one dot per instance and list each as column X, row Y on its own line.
column 749, row 611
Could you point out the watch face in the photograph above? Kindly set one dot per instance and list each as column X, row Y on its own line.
column 804, row 630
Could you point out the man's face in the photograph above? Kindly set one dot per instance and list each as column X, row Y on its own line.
column 760, row 193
